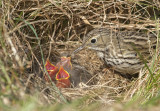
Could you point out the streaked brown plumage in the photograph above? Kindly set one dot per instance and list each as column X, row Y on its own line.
column 119, row 48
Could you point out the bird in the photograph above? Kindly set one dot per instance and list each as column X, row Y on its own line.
column 123, row 50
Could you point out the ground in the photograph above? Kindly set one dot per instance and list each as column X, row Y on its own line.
column 32, row 31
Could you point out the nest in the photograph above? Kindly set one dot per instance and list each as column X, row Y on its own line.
column 56, row 28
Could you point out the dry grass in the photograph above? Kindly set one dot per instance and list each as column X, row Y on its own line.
column 34, row 30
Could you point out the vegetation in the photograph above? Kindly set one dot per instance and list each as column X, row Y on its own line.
column 32, row 31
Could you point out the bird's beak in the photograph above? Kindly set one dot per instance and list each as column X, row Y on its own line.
column 78, row 49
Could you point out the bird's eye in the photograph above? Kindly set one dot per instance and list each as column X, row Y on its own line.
column 93, row 40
